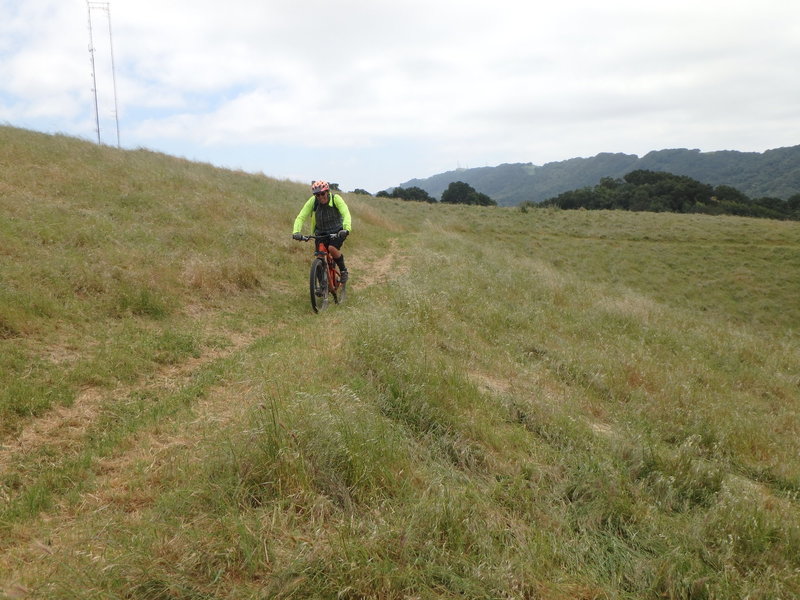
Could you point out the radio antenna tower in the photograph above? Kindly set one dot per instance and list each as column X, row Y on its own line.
column 103, row 6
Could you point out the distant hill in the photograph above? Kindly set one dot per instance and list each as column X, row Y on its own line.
column 774, row 173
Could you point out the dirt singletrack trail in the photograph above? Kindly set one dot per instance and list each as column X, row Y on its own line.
column 63, row 430
column 368, row 271
column 63, row 426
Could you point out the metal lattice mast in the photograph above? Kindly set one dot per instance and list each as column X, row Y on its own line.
column 104, row 6
column 94, row 73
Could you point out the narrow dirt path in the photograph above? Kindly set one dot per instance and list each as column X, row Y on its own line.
column 63, row 427
column 368, row 272
column 62, row 432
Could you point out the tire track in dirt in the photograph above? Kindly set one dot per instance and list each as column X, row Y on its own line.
column 62, row 432
column 62, row 429
column 372, row 272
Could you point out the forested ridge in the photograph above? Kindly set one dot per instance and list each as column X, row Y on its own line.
column 664, row 192
column 770, row 174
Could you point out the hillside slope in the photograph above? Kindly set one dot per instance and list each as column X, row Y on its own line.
column 510, row 404
column 774, row 173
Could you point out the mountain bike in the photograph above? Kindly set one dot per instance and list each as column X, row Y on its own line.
column 325, row 278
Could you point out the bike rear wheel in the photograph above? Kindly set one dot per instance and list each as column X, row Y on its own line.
column 318, row 284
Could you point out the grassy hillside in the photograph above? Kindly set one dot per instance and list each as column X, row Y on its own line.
column 511, row 404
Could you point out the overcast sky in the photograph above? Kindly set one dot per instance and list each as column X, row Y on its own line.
column 372, row 93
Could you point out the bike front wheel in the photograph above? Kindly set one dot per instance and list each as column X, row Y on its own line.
column 319, row 285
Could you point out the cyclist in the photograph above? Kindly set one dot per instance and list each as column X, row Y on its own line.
column 329, row 215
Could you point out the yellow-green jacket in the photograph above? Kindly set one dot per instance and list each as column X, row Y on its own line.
column 308, row 209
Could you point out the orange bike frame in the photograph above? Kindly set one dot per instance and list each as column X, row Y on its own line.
column 322, row 250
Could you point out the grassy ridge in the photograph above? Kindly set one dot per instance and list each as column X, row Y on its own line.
column 510, row 405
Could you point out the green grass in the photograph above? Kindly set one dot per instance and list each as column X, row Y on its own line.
column 511, row 404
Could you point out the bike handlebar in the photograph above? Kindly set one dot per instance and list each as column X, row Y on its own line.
column 323, row 237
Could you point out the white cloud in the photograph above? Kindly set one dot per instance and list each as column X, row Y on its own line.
column 447, row 82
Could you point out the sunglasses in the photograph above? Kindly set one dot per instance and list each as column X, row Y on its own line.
column 318, row 194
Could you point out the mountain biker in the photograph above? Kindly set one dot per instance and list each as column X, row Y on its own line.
column 329, row 215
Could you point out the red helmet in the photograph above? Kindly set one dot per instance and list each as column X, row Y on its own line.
column 320, row 186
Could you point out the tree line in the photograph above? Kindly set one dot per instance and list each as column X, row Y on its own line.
column 457, row 192
column 657, row 191
column 640, row 190
column 773, row 173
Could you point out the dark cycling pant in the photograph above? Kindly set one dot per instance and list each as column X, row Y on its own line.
column 337, row 243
